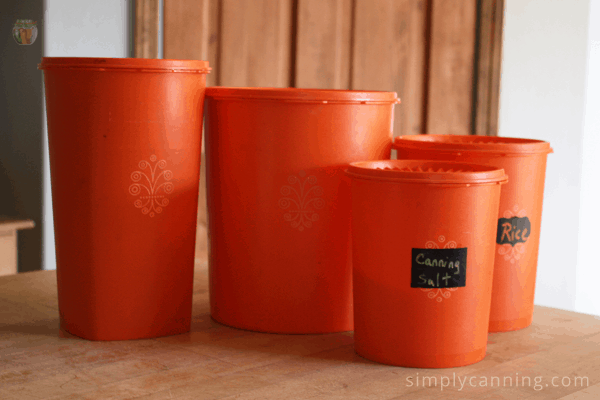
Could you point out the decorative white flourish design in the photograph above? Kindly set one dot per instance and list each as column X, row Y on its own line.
column 441, row 239
column 301, row 198
column 444, row 293
column 513, row 253
column 151, row 186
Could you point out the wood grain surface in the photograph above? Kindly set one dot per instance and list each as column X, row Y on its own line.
column 146, row 28
column 451, row 66
column 496, row 70
column 442, row 57
column 256, row 45
column 489, row 53
column 323, row 44
column 389, row 54
column 38, row 361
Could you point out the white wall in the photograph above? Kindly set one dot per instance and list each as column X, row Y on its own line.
column 543, row 96
column 588, row 266
column 80, row 28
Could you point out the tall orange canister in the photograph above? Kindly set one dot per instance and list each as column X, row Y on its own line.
column 423, row 258
column 519, row 218
column 124, row 138
column 278, row 202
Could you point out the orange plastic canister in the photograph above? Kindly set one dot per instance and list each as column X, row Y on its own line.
column 124, row 138
column 423, row 256
column 278, row 202
column 519, row 217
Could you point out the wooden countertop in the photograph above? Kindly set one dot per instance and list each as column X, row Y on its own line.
column 38, row 361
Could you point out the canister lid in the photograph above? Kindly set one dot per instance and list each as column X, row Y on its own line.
column 299, row 95
column 493, row 144
column 136, row 64
column 427, row 172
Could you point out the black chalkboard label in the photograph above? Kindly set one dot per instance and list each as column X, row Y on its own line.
column 513, row 230
column 439, row 268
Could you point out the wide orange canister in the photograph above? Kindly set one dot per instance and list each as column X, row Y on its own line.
column 423, row 256
column 519, row 217
column 278, row 202
column 124, row 138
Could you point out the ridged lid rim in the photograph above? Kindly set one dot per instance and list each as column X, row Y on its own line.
column 302, row 95
column 139, row 64
column 475, row 143
column 427, row 171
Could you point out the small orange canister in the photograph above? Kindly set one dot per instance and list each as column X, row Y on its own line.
column 423, row 256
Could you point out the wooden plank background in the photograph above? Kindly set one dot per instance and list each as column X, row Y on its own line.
column 452, row 50
column 146, row 28
column 442, row 57
column 323, row 44
column 487, row 106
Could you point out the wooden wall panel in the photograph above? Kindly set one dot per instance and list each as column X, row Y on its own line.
column 389, row 54
column 451, row 67
column 146, row 28
column 191, row 32
column 486, row 106
column 413, row 91
column 323, row 44
column 442, row 57
column 496, row 69
column 485, row 39
column 256, row 43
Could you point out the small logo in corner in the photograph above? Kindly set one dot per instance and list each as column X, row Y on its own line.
column 25, row 31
